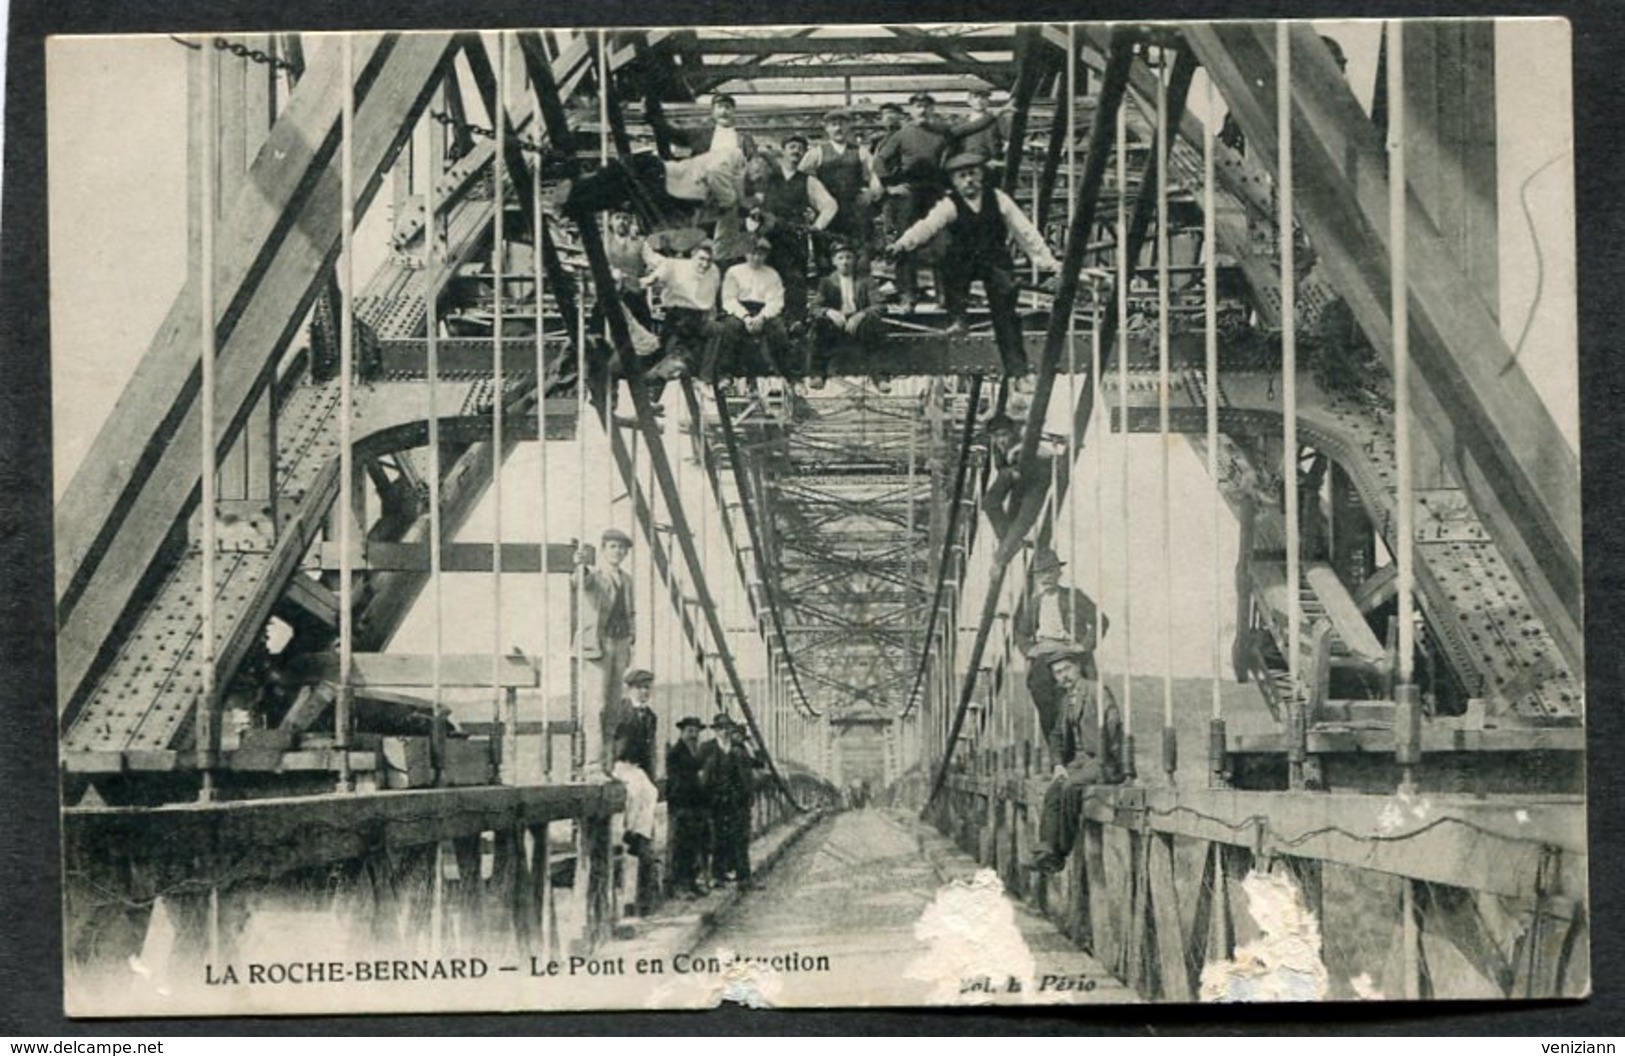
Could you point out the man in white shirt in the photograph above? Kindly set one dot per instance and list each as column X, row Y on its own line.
column 689, row 290
column 662, row 190
column 752, row 306
column 981, row 220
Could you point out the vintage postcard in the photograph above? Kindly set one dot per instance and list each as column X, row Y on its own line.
column 850, row 515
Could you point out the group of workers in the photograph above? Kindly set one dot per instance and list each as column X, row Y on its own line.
column 709, row 781
column 743, row 228
column 709, row 792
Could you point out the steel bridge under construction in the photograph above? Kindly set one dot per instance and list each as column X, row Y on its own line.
column 332, row 657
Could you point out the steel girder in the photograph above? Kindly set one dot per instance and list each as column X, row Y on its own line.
column 1471, row 394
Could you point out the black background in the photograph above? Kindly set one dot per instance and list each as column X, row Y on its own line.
column 30, row 911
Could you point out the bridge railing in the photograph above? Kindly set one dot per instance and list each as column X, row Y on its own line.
column 1193, row 893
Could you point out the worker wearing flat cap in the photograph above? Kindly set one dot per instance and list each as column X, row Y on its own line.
column 608, row 630
column 634, row 753
column 1086, row 750
column 980, row 221
column 688, row 808
column 910, row 162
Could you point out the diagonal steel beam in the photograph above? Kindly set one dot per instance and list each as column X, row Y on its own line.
column 1518, row 470
column 558, row 126
column 143, row 474
column 1111, row 97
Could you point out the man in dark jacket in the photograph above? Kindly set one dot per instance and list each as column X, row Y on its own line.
column 688, row 806
column 1013, row 500
column 733, row 783
column 1054, row 614
column 634, row 767
column 912, row 159
column 849, row 310
column 1088, row 745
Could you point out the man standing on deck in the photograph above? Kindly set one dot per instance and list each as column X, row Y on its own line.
column 608, row 630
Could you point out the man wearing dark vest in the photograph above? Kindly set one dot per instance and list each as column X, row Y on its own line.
column 913, row 158
column 1053, row 614
column 788, row 207
column 981, row 220
column 847, row 170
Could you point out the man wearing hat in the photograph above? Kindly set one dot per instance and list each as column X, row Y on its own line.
column 987, row 141
column 788, row 207
column 1087, row 749
column 849, row 311
column 661, row 190
column 733, row 786
column 981, row 220
column 688, row 808
column 1054, row 616
column 914, row 156
column 846, row 168
column 752, row 306
column 634, row 754
column 1013, row 500
column 608, row 629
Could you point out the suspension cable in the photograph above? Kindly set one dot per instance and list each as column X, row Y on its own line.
column 1210, row 302
column 341, row 720
column 1289, row 391
column 538, row 237
column 1170, row 747
column 1407, row 713
column 431, row 310
column 1123, row 265
column 499, row 121
column 207, row 733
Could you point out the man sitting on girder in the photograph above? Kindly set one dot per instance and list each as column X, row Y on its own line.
column 752, row 307
column 849, row 310
column 981, row 220
column 666, row 191
column 689, row 289
column 1013, row 501
column 1086, row 744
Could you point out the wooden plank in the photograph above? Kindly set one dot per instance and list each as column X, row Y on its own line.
column 454, row 557
column 1173, row 968
column 271, row 837
column 1438, row 736
column 457, row 670
column 1491, row 844
column 139, row 509
column 1355, row 634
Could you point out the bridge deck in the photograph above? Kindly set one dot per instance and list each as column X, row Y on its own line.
column 894, row 908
